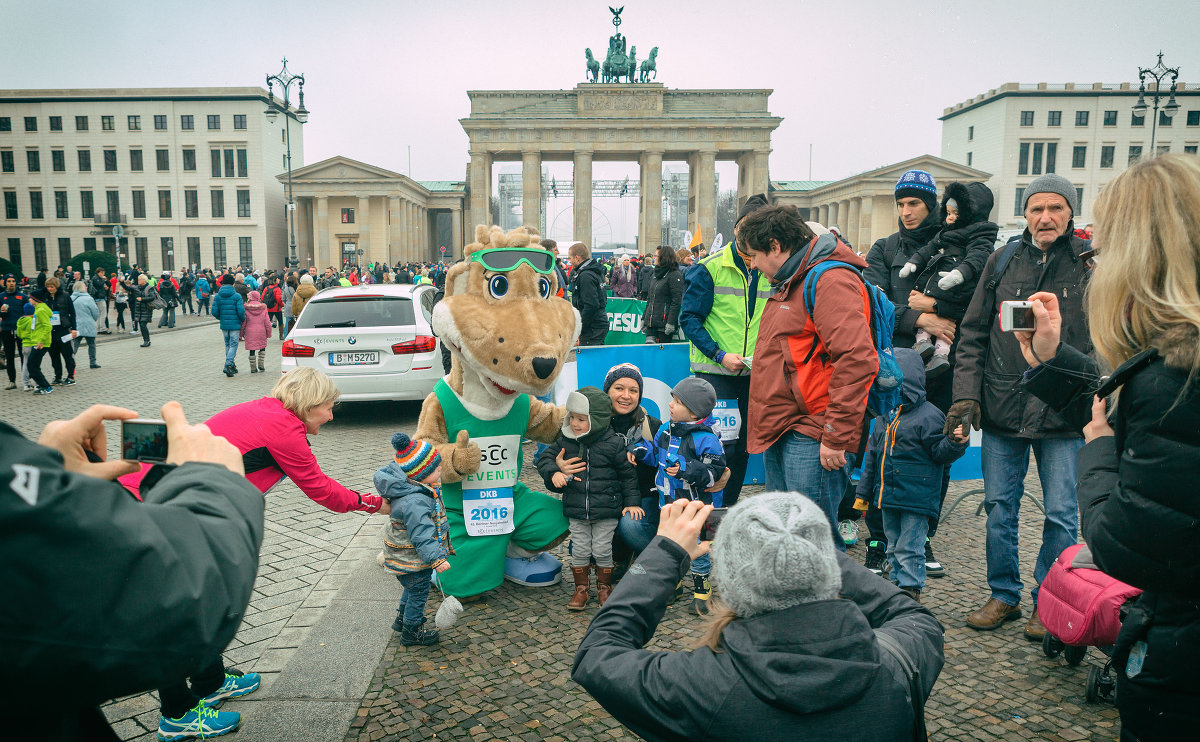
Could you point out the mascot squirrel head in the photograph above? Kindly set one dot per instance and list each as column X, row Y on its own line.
column 507, row 331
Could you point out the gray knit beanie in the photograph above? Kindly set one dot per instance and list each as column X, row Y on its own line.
column 774, row 551
column 697, row 395
column 1052, row 183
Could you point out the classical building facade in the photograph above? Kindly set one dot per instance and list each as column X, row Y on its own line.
column 1086, row 133
column 187, row 173
column 344, row 207
column 644, row 123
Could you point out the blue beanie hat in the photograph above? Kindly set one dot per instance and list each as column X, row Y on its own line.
column 918, row 184
column 29, row 309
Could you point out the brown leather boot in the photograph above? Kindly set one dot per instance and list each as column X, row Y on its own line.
column 604, row 583
column 993, row 615
column 583, row 578
column 1034, row 630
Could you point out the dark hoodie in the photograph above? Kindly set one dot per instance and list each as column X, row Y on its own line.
column 609, row 484
column 908, row 454
column 814, row 671
column 587, row 295
column 963, row 246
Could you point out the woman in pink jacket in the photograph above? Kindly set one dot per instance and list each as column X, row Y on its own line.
column 256, row 329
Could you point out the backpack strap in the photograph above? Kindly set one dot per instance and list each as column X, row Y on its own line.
column 913, row 676
column 1006, row 254
column 810, row 297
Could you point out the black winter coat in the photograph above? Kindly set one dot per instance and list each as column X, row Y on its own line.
column 605, row 488
column 963, row 246
column 588, row 296
column 990, row 363
column 141, row 302
column 884, row 261
column 664, row 301
column 62, row 304
column 645, row 277
column 815, row 671
column 638, row 426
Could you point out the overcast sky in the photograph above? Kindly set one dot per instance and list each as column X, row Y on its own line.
column 862, row 81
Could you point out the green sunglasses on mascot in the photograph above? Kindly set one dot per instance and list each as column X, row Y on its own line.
column 505, row 259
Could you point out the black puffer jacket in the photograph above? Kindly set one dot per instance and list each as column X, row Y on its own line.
column 963, row 246
column 884, row 261
column 664, row 301
column 588, row 296
column 61, row 303
column 609, row 483
column 990, row 363
column 639, row 425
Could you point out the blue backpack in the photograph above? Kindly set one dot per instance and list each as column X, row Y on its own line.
column 884, row 396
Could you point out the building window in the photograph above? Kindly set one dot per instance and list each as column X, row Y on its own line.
column 218, row 203
column 1107, row 152
column 191, row 203
column 31, row 123
column 33, row 160
column 1053, row 118
column 193, row 248
column 1137, row 119
column 113, row 203
column 89, row 244
column 110, row 161
column 106, row 123
column 189, row 160
column 1189, row 149
column 1193, row 118
column 139, row 204
column 1081, row 118
column 1026, row 118
column 60, row 205
column 6, row 161
column 168, row 253
column 219, row 260
column 10, row 204
column 142, row 248
column 39, row 254
column 1051, row 156
column 164, row 204
column 1018, row 210
column 14, row 251
column 160, row 123
column 135, row 123
column 58, row 160
column 1036, row 166
column 135, row 160
column 239, row 121
column 1162, row 149
column 243, row 202
column 1079, row 156
column 86, row 209
column 241, row 163
column 5, row 123
column 187, row 122
column 1079, row 198
column 85, row 161
column 81, row 123
column 970, row 133
column 214, row 121
column 216, row 163
column 64, row 250
column 228, row 163
column 35, row 205
column 245, row 253
column 1164, row 119
column 162, row 160
column 969, row 158
column 56, row 123
column 347, row 216
column 1110, row 118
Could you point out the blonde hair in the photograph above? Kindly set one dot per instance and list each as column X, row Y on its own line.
column 1145, row 281
column 720, row 616
column 52, row 282
column 303, row 389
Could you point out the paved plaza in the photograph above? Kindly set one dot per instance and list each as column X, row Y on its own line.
column 318, row 624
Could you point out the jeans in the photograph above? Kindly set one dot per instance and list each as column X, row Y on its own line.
column 202, row 305
column 1005, row 463
column 231, row 345
column 637, row 534
column 91, row 342
column 733, row 387
column 906, row 546
column 416, row 593
column 793, row 464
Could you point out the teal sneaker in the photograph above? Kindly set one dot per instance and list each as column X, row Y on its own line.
column 201, row 722
column 849, row 532
column 236, row 684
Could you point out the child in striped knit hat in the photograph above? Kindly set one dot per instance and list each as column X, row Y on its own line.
column 417, row 540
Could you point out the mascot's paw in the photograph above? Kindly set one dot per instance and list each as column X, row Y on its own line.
column 448, row 613
column 465, row 457
column 541, row 570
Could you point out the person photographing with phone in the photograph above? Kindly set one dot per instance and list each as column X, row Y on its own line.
column 1137, row 469
column 988, row 392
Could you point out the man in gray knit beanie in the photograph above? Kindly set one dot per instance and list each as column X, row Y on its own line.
column 775, row 551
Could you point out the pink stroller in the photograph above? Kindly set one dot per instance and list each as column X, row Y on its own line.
column 1082, row 607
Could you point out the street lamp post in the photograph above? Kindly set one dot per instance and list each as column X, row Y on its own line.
column 1158, row 73
column 285, row 80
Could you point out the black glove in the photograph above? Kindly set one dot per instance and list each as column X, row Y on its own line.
column 964, row 410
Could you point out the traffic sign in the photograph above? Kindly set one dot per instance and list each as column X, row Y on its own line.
column 360, row 252
column 442, row 249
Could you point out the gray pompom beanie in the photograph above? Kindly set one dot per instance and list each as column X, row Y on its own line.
column 774, row 551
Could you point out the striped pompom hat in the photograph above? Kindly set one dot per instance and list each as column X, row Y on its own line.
column 417, row 459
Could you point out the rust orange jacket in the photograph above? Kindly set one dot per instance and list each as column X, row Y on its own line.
column 811, row 374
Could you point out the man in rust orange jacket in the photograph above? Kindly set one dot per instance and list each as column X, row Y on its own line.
column 811, row 373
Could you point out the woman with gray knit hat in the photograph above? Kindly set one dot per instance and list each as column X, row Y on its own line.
column 811, row 643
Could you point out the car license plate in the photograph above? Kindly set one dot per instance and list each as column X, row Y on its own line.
column 354, row 359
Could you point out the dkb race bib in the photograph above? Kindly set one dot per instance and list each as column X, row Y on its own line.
column 488, row 493
column 727, row 420
column 55, row 320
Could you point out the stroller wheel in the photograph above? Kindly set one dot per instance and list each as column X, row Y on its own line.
column 1051, row 647
column 1093, row 685
column 1075, row 655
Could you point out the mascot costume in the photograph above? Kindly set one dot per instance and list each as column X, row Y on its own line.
column 509, row 336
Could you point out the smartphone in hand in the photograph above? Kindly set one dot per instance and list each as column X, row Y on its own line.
column 709, row 530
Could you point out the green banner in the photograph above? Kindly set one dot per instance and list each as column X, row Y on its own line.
column 625, row 322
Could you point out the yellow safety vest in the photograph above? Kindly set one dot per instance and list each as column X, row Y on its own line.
column 729, row 322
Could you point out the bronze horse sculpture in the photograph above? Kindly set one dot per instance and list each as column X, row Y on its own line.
column 650, row 66
column 593, row 67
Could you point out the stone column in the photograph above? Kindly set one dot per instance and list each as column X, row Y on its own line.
column 363, row 217
column 422, row 252
column 410, row 220
column 456, row 234
column 531, row 189
column 650, row 211
column 582, row 226
column 481, row 188
column 835, row 209
column 883, row 216
column 395, row 230
column 752, row 175
column 851, row 230
column 321, row 231
column 706, row 195
column 865, row 215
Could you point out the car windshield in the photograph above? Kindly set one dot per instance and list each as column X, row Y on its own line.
column 357, row 311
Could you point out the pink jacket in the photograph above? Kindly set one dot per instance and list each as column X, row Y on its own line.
column 274, row 445
column 256, row 327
